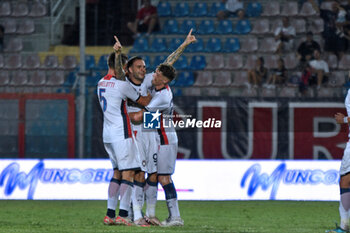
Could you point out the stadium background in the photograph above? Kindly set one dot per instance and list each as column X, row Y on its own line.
column 49, row 108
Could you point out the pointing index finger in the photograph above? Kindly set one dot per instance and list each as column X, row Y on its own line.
column 190, row 32
column 116, row 38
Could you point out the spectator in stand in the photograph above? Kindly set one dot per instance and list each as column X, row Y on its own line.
column 319, row 70
column 306, row 48
column 2, row 35
column 279, row 75
column 258, row 75
column 231, row 8
column 284, row 36
column 305, row 79
column 146, row 20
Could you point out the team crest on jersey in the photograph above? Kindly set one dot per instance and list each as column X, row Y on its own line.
column 151, row 120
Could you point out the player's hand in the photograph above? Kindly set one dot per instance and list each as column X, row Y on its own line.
column 190, row 38
column 339, row 118
column 117, row 46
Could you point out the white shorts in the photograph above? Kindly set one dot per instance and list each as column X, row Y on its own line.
column 124, row 154
column 167, row 155
column 148, row 143
column 345, row 162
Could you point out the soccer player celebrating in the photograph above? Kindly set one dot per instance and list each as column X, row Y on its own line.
column 344, row 205
column 117, row 136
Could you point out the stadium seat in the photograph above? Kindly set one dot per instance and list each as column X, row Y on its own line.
column 250, row 44
column 37, row 10
column 140, row 45
column 249, row 92
column 289, row 8
column 185, row 79
column 291, row 61
column 55, row 78
column 20, row 9
column 200, row 9
column 164, row 9
column 69, row 62
column 10, row 25
column 268, row 92
column 93, row 78
column 325, row 92
column 50, row 62
column 231, row 45
column 147, row 60
column 213, row 45
column 170, row 26
column 204, row 78
column 160, row 59
column 70, row 79
column 336, row 79
column 299, row 25
column 253, row 9
column 196, row 47
column 271, row 61
column 275, row 24
column 4, row 78
column 19, row 78
column 158, row 45
column 268, row 45
column 175, row 43
column 89, row 62
column 273, row 9
column 332, row 61
column 31, row 61
column 250, row 62
column 326, row 5
column 316, row 25
column 37, row 78
column 288, row 92
column 222, row 79
column 261, row 26
column 14, row 44
column 344, row 62
column 216, row 61
column 187, row 25
column 5, row 9
column 181, row 9
column 206, row 27
column 234, row 62
column 240, row 78
column 243, row 27
column 13, row 61
column 198, row 62
column 181, row 63
column 307, row 10
column 2, row 61
column 215, row 8
column 224, row 27
column 26, row 26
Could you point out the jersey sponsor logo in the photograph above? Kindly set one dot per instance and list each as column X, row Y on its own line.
column 151, row 120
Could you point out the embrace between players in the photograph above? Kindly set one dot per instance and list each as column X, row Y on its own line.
column 124, row 94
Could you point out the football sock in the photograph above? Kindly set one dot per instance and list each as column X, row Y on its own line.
column 344, row 208
column 125, row 197
column 137, row 199
column 151, row 191
column 113, row 193
column 171, row 200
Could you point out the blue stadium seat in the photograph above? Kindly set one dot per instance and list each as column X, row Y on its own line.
column 224, row 27
column 102, row 62
column 206, row 27
column 243, row 27
column 164, row 9
column 70, row 79
column 158, row 60
column 92, row 80
column 171, row 26
column 174, row 44
column 89, row 62
column 185, row 79
column 181, row 63
column 215, row 8
column 147, row 61
column 196, row 47
column 198, row 62
column 181, row 9
column 140, row 45
column 231, row 45
column 158, row 45
column 200, row 9
column 187, row 25
column 253, row 9
column 213, row 45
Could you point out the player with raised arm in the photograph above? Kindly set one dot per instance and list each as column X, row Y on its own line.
column 149, row 139
column 117, row 136
column 344, row 183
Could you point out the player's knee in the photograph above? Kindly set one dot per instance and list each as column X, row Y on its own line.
column 140, row 176
column 345, row 181
column 128, row 175
column 164, row 180
column 153, row 177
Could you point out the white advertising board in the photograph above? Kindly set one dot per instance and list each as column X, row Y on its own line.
column 194, row 179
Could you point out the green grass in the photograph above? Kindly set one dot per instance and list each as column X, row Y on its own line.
column 199, row 216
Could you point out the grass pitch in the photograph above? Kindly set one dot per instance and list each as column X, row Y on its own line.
column 199, row 216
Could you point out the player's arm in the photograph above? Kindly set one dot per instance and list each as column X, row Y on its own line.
column 136, row 117
column 144, row 100
column 172, row 58
column 340, row 118
column 119, row 71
